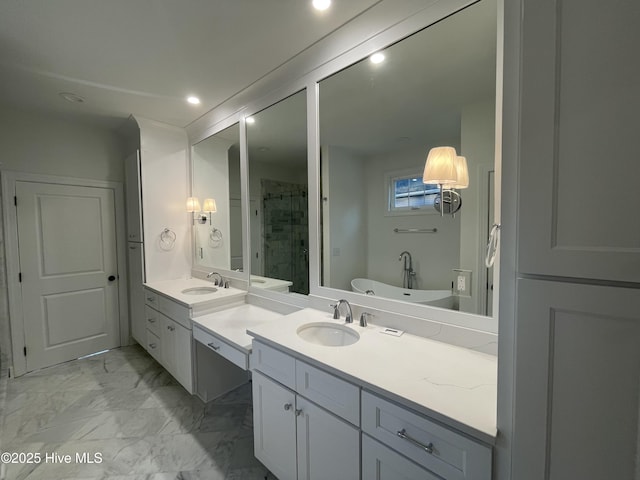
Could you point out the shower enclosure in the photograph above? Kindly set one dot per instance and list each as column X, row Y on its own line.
column 286, row 233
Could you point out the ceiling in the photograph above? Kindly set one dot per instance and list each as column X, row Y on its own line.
column 145, row 57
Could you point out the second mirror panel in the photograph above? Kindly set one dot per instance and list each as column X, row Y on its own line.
column 278, row 196
column 378, row 120
column 216, row 176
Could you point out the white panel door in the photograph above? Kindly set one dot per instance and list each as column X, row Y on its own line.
column 67, row 243
column 134, row 197
column 274, row 427
column 577, row 382
column 135, row 256
column 328, row 447
column 579, row 148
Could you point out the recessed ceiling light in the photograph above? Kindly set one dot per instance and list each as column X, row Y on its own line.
column 193, row 100
column 71, row 97
column 321, row 4
column 250, row 120
column 377, row 57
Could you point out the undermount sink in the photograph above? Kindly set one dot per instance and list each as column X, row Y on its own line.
column 328, row 334
column 199, row 290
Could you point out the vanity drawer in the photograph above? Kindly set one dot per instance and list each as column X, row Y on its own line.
column 232, row 353
column 336, row 395
column 273, row 363
column 152, row 320
column 171, row 309
column 150, row 298
column 379, row 462
column 175, row 311
column 442, row 451
column 153, row 345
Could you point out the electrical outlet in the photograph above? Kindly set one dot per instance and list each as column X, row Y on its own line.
column 461, row 282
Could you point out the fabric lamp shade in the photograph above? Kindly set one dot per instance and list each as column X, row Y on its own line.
column 440, row 167
column 193, row 204
column 209, row 206
column 462, row 172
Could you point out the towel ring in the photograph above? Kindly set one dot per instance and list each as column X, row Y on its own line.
column 167, row 239
column 215, row 238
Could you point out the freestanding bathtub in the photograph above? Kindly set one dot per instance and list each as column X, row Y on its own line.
column 436, row 298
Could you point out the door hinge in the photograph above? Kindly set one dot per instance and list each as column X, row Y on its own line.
column 20, row 277
column 25, row 350
column 15, row 200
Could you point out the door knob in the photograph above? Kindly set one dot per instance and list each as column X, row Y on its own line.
column 111, row 278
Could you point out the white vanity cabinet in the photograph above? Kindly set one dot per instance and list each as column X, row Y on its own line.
column 169, row 338
column 293, row 436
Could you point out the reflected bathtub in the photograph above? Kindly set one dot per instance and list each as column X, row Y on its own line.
column 436, row 298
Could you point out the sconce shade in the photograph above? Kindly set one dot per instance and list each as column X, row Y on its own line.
column 440, row 167
column 209, row 206
column 463, row 174
column 193, row 204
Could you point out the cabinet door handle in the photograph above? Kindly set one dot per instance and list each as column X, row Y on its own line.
column 170, row 328
column 213, row 346
column 298, row 412
column 151, row 320
column 427, row 448
column 152, row 345
column 287, row 406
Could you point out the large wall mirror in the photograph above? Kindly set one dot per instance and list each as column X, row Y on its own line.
column 278, row 196
column 216, row 176
column 379, row 118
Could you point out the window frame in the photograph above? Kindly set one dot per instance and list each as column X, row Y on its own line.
column 390, row 180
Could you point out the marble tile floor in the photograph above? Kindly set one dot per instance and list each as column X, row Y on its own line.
column 122, row 410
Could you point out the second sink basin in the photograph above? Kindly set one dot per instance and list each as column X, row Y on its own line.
column 199, row 290
column 328, row 334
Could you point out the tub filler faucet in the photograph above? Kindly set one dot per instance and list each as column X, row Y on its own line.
column 407, row 273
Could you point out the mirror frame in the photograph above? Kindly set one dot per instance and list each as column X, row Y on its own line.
column 309, row 78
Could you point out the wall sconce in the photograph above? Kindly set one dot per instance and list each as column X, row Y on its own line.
column 444, row 169
column 209, row 207
column 193, row 206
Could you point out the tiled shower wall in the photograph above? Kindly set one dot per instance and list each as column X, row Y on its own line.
column 286, row 233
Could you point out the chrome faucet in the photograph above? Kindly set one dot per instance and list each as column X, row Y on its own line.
column 216, row 281
column 407, row 273
column 336, row 311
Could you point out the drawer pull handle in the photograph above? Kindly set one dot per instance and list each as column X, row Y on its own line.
column 151, row 320
column 213, row 346
column 287, row 406
column 170, row 328
column 151, row 299
column 152, row 345
column 298, row 412
column 427, row 448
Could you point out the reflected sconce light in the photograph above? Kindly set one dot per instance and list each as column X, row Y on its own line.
column 449, row 171
column 209, row 207
column 193, row 206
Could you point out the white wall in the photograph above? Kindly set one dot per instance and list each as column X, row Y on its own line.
column 434, row 254
column 345, row 211
column 210, row 179
column 50, row 145
column 164, row 153
column 478, row 146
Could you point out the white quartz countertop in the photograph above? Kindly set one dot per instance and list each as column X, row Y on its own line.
column 232, row 323
column 174, row 289
column 451, row 384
